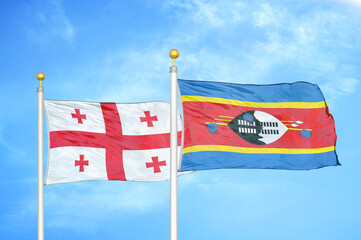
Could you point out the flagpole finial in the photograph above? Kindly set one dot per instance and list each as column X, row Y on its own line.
column 40, row 76
column 173, row 54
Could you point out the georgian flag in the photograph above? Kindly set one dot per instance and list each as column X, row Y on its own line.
column 108, row 141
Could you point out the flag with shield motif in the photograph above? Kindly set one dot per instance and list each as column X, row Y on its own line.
column 276, row 126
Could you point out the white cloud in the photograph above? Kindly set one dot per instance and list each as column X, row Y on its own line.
column 144, row 69
column 356, row 3
column 52, row 22
column 211, row 13
column 70, row 205
column 13, row 152
column 313, row 44
column 267, row 16
column 304, row 41
column 338, row 88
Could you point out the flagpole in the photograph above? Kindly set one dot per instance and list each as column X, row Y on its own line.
column 40, row 76
column 173, row 148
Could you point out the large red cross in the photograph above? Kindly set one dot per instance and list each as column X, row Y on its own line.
column 112, row 140
column 81, row 163
column 155, row 164
column 79, row 116
column 149, row 119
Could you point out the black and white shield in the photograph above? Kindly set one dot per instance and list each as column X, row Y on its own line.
column 258, row 127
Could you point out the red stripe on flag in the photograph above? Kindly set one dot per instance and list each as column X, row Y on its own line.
column 101, row 140
column 114, row 153
column 196, row 114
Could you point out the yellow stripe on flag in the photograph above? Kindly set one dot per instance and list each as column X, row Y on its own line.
column 188, row 98
column 217, row 123
column 222, row 148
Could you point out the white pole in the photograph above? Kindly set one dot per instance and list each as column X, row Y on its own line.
column 40, row 90
column 173, row 148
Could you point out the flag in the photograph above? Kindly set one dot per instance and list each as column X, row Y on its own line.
column 278, row 126
column 108, row 141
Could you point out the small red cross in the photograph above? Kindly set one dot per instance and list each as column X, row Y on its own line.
column 149, row 119
column 156, row 164
column 79, row 116
column 81, row 163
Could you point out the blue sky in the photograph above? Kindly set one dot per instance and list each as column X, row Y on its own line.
column 118, row 51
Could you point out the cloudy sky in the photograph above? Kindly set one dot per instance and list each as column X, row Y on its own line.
column 118, row 51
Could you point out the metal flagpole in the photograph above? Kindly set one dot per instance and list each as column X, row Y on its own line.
column 40, row 76
column 173, row 148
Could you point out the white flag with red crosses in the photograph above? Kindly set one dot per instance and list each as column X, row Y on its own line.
column 108, row 141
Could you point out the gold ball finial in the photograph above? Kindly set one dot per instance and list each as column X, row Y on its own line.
column 173, row 54
column 40, row 76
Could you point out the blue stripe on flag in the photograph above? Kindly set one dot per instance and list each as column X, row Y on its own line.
column 216, row 160
column 284, row 92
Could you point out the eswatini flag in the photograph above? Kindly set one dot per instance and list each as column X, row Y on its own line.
column 278, row 126
column 107, row 141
